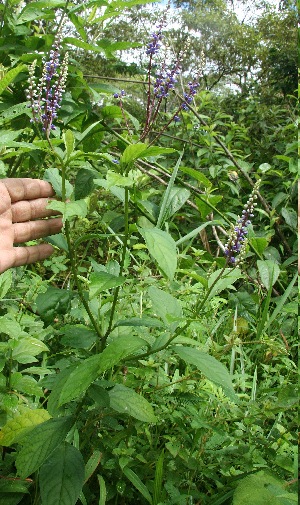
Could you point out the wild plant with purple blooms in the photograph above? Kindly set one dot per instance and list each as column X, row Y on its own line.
column 46, row 95
column 235, row 248
column 161, row 83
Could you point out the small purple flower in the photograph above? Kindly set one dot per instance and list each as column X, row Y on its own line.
column 120, row 95
column 237, row 241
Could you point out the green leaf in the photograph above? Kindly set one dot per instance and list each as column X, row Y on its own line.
column 102, row 495
column 20, row 425
column 28, row 347
column 207, row 203
column 141, row 151
column 269, row 272
column 92, row 464
column 111, row 112
column 162, row 248
column 136, row 481
column 114, row 179
column 261, row 488
column 195, row 232
column 59, row 241
column 132, row 152
column 10, row 327
column 53, row 176
column 53, row 302
column 210, row 367
column 226, row 281
column 158, row 480
column 14, row 111
column 156, row 151
column 127, row 401
column 84, row 183
column 25, row 383
column 164, row 212
column 5, row 283
column 87, row 371
column 62, row 476
column 290, row 217
column 199, row 176
column 101, row 281
column 166, row 306
column 78, row 336
column 259, row 244
column 69, row 209
column 69, row 142
column 177, row 198
column 8, row 79
column 40, row 444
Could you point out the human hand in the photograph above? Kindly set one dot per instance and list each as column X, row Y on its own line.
column 23, row 203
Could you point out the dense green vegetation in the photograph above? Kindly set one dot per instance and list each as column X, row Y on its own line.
column 141, row 363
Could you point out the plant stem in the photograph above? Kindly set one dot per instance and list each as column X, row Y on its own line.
column 116, row 294
column 72, row 258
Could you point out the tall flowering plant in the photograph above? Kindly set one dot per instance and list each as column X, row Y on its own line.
column 161, row 82
column 45, row 95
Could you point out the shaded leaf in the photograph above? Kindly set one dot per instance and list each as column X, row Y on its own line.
column 40, row 444
column 127, row 401
column 62, row 476
column 210, row 367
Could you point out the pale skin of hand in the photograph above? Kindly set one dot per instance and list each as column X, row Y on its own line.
column 23, row 205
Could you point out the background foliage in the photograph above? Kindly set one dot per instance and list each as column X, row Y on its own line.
column 137, row 366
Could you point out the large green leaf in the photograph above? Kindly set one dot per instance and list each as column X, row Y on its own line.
column 162, row 248
column 88, row 370
column 26, row 348
column 17, row 427
column 14, row 111
column 196, row 174
column 136, row 481
column 210, row 367
column 262, row 488
column 269, row 272
column 132, row 152
column 62, row 476
column 141, row 151
column 127, row 401
column 166, row 306
column 40, row 444
column 53, row 302
column 177, row 198
column 101, row 281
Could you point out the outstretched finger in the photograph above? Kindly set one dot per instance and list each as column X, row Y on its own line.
column 26, row 210
column 23, row 232
column 27, row 189
column 18, row 256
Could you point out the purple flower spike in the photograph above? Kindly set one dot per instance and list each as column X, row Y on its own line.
column 45, row 97
column 237, row 241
